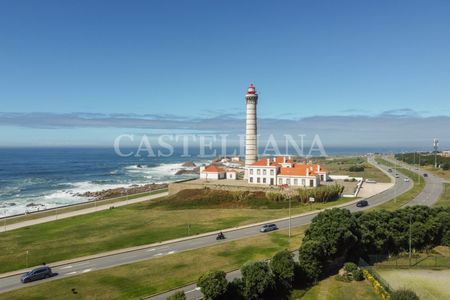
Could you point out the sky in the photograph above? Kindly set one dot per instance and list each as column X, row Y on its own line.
column 357, row 73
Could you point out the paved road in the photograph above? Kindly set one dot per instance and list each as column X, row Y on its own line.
column 76, row 268
column 84, row 211
column 434, row 185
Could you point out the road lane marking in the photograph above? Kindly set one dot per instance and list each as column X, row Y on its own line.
column 150, row 250
column 191, row 291
column 87, row 270
column 71, row 273
column 66, row 267
column 158, row 254
column 171, row 252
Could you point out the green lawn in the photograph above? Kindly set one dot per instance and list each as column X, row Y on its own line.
column 145, row 278
column 428, row 284
column 340, row 166
column 90, row 204
column 444, row 200
column 126, row 226
column 407, row 196
column 331, row 289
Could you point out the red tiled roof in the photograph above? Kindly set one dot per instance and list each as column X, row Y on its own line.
column 272, row 162
column 300, row 170
column 213, row 169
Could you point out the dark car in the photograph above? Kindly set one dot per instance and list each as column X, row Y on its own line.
column 268, row 227
column 425, row 175
column 362, row 203
column 37, row 274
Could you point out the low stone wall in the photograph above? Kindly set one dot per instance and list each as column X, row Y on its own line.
column 196, row 185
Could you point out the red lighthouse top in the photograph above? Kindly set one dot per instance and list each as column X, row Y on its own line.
column 251, row 89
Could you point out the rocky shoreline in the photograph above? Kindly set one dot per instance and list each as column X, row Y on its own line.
column 120, row 192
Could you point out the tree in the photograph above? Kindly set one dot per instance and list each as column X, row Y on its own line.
column 283, row 267
column 258, row 280
column 311, row 260
column 180, row 295
column 338, row 231
column 213, row 285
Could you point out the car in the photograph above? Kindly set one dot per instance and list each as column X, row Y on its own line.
column 425, row 175
column 268, row 227
column 370, row 181
column 397, row 176
column 362, row 203
column 37, row 274
column 406, row 180
column 389, row 170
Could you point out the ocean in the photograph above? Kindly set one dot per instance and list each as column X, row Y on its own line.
column 52, row 177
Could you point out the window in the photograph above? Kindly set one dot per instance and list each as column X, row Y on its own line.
column 264, row 179
column 280, row 181
column 271, row 172
column 303, row 181
column 288, row 181
column 251, row 171
column 258, row 180
column 251, row 179
column 258, row 171
column 295, row 181
column 264, row 171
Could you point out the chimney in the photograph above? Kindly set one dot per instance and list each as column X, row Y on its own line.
column 318, row 168
column 268, row 162
column 307, row 171
column 284, row 159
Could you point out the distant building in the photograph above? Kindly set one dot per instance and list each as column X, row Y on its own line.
column 213, row 172
column 284, row 171
column 446, row 153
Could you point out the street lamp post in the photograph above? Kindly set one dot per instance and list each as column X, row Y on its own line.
column 290, row 216
column 410, row 238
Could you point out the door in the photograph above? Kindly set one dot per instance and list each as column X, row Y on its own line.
column 271, row 181
column 311, row 182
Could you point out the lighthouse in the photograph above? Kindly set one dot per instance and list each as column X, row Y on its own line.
column 250, row 128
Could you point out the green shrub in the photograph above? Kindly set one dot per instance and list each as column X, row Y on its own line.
column 324, row 193
column 342, row 278
column 404, row 294
column 180, row 295
column 357, row 168
column 357, row 275
column 350, row 267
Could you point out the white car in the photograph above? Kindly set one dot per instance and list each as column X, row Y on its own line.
column 406, row 180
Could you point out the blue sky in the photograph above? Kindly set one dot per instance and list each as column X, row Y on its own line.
column 82, row 72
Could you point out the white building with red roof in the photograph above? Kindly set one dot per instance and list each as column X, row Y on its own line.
column 213, row 172
column 284, row 171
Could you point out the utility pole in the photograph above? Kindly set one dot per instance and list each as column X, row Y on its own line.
column 290, row 216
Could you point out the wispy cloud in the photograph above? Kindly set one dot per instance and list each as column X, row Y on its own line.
column 401, row 126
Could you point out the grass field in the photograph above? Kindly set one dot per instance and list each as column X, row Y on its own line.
column 137, row 280
column 331, row 289
column 340, row 166
column 428, row 284
column 419, row 260
column 407, row 196
column 90, row 204
column 445, row 174
column 444, row 200
column 127, row 226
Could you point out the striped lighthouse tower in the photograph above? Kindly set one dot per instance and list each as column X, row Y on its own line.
column 250, row 128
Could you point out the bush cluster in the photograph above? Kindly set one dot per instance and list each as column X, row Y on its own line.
column 378, row 287
column 324, row 193
column 357, row 168
column 260, row 280
column 404, row 294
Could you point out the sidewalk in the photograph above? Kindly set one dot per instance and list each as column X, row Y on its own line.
column 80, row 212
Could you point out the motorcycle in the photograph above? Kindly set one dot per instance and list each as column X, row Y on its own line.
column 220, row 236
